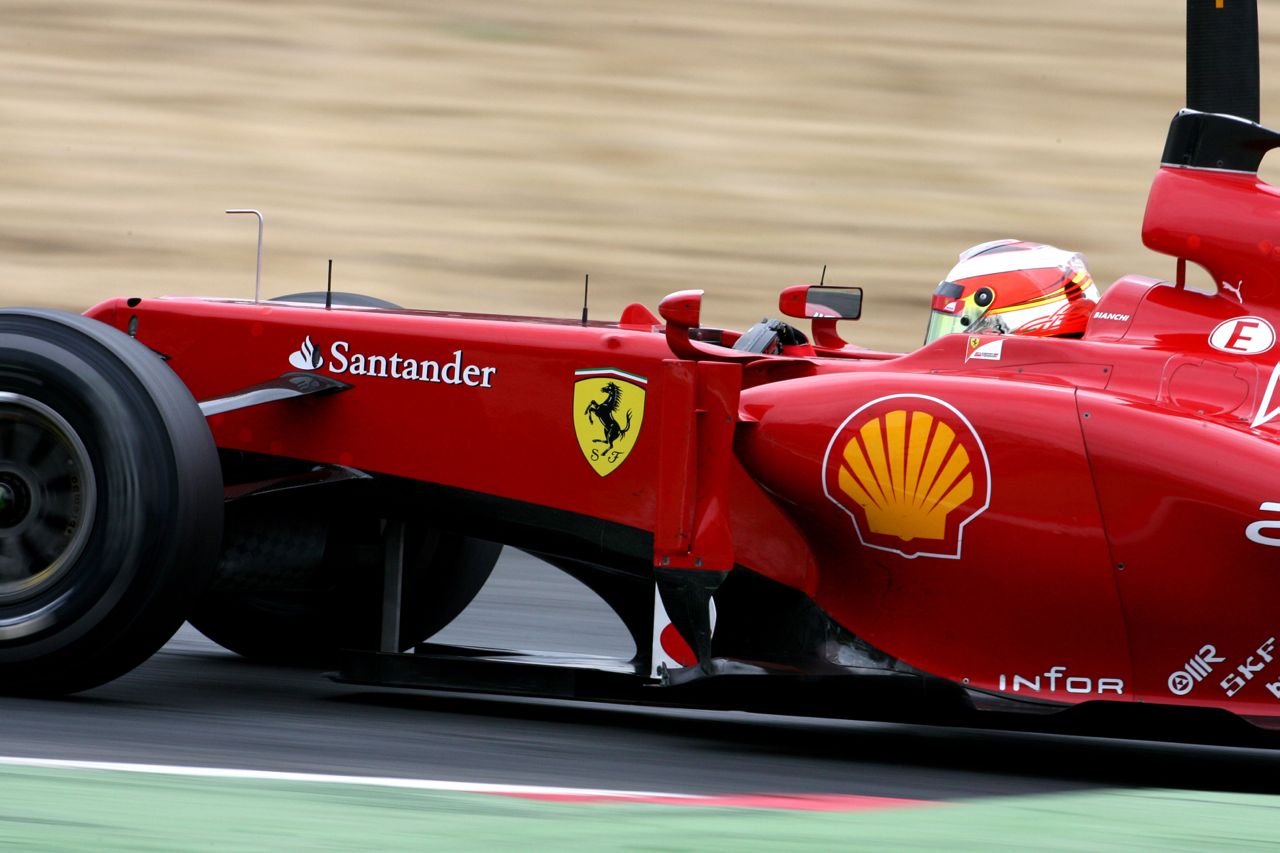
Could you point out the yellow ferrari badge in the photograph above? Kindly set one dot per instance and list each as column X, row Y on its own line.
column 608, row 411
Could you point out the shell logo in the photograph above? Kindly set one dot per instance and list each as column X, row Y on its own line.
column 911, row 472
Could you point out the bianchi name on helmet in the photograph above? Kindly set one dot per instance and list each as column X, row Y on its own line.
column 341, row 360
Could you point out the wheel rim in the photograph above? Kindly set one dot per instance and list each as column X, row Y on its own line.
column 46, row 497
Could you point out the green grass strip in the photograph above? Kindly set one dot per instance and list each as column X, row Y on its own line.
column 50, row 809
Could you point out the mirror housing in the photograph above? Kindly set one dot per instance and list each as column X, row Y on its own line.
column 682, row 308
column 816, row 302
column 683, row 311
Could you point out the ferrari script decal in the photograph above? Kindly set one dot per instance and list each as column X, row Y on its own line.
column 608, row 411
column 911, row 472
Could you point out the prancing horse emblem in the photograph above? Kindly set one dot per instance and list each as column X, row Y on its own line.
column 605, row 411
column 608, row 411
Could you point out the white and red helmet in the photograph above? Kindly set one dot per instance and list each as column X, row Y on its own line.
column 1011, row 287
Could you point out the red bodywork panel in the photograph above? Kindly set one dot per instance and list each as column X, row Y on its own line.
column 1043, row 519
column 1082, row 457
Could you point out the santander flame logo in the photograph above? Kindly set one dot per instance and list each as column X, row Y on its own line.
column 307, row 358
column 911, row 472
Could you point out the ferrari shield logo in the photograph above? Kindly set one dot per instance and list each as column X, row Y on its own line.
column 608, row 411
column 911, row 472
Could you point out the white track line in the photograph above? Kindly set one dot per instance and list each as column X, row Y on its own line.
column 380, row 781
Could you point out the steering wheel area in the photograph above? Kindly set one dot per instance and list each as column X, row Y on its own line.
column 770, row 337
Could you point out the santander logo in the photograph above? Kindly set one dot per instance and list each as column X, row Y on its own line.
column 306, row 358
column 342, row 359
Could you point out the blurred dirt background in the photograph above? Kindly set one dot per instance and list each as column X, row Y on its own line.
column 483, row 156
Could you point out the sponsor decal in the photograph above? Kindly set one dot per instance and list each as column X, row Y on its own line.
column 1198, row 668
column 1055, row 680
column 343, row 359
column 670, row 650
column 1182, row 681
column 983, row 351
column 608, row 412
column 1265, row 412
column 1261, row 531
column 1235, row 290
column 1111, row 315
column 1253, row 664
column 307, row 357
column 1243, row 336
column 911, row 472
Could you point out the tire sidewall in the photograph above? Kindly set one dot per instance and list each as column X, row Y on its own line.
column 117, row 601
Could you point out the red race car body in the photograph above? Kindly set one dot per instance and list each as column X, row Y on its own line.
column 1035, row 518
column 1013, row 522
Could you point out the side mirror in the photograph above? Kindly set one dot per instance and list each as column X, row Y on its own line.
column 682, row 311
column 820, row 302
column 682, row 308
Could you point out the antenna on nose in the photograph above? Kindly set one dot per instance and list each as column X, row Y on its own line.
column 257, row 279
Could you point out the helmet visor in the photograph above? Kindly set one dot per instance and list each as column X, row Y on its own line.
column 956, row 311
column 941, row 323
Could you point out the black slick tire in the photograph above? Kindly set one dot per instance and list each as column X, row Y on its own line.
column 110, row 502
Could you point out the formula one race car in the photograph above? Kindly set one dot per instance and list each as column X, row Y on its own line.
column 996, row 520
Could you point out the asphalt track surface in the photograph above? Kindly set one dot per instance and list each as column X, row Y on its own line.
column 194, row 704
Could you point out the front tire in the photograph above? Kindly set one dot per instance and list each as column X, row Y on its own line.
column 110, row 502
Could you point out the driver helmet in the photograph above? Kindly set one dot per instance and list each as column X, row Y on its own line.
column 1012, row 287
